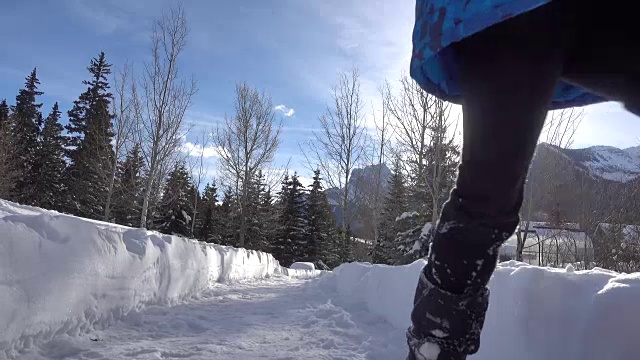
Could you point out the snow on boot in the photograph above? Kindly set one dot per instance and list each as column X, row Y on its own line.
column 445, row 326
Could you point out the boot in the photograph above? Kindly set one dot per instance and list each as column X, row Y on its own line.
column 452, row 296
column 450, row 324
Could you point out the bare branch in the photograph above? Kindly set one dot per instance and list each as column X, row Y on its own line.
column 165, row 99
column 124, row 125
column 247, row 143
column 338, row 146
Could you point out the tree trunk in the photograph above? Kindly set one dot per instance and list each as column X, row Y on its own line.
column 243, row 203
column 112, row 179
column 519, row 245
column 345, row 201
column 243, row 217
column 195, row 212
column 145, row 201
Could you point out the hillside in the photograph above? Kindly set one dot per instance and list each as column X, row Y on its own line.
column 583, row 184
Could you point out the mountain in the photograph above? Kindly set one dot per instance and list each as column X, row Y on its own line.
column 607, row 162
column 362, row 182
column 578, row 185
column 361, row 189
column 583, row 184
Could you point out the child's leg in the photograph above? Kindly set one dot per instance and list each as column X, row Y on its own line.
column 508, row 74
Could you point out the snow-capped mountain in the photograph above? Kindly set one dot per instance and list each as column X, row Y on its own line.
column 598, row 180
column 607, row 162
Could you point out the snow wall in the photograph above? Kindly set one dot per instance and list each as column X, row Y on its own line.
column 61, row 274
column 534, row 313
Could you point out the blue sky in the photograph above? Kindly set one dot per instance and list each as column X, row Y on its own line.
column 292, row 49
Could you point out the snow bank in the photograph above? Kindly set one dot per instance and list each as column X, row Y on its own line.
column 61, row 274
column 303, row 266
column 535, row 313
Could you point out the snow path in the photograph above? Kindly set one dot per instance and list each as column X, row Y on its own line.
column 276, row 318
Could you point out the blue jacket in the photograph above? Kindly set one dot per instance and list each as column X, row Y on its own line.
column 439, row 23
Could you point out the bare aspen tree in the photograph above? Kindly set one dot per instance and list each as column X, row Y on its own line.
column 382, row 133
column 273, row 177
column 204, row 139
column 247, row 144
column 338, row 146
column 124, row 126
column 442, row 156
column 166, row 96
column 371, row 199
column 559, row 130
column 426, row 136
column 411, row 109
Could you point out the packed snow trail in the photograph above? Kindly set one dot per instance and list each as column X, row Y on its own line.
column 276, row 318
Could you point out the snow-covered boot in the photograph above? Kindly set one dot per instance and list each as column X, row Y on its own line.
column 449, row 324
column 452, row 296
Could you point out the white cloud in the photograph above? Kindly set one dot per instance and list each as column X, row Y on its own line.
column 197, row 150
column 116, row 16
column 203, row 118
column 104, row 17
column 285, row 110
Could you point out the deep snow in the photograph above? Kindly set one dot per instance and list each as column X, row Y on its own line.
column 60, row 274
column 534, row 313
column 77, row 289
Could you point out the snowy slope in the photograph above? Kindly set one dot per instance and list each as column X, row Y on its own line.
column 61, row 274
column 535, row 313
column 621, row 165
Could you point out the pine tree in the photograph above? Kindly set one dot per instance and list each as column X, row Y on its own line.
column 210, row 226
column 50, row 162
column 444, row 162
column 268, row 215
column 7, row 171
column 441, row 161
column 177, row 203
column 323, row 240
column 90, row 151
column 127, row 200
column 386, row 251
column 26, row 119
column 345, row 245
column 291, row 242
column 261, row 215
column 5, row 122
column 228, row 214
column 254, row 234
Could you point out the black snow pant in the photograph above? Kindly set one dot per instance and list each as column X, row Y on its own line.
column 508, row 73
